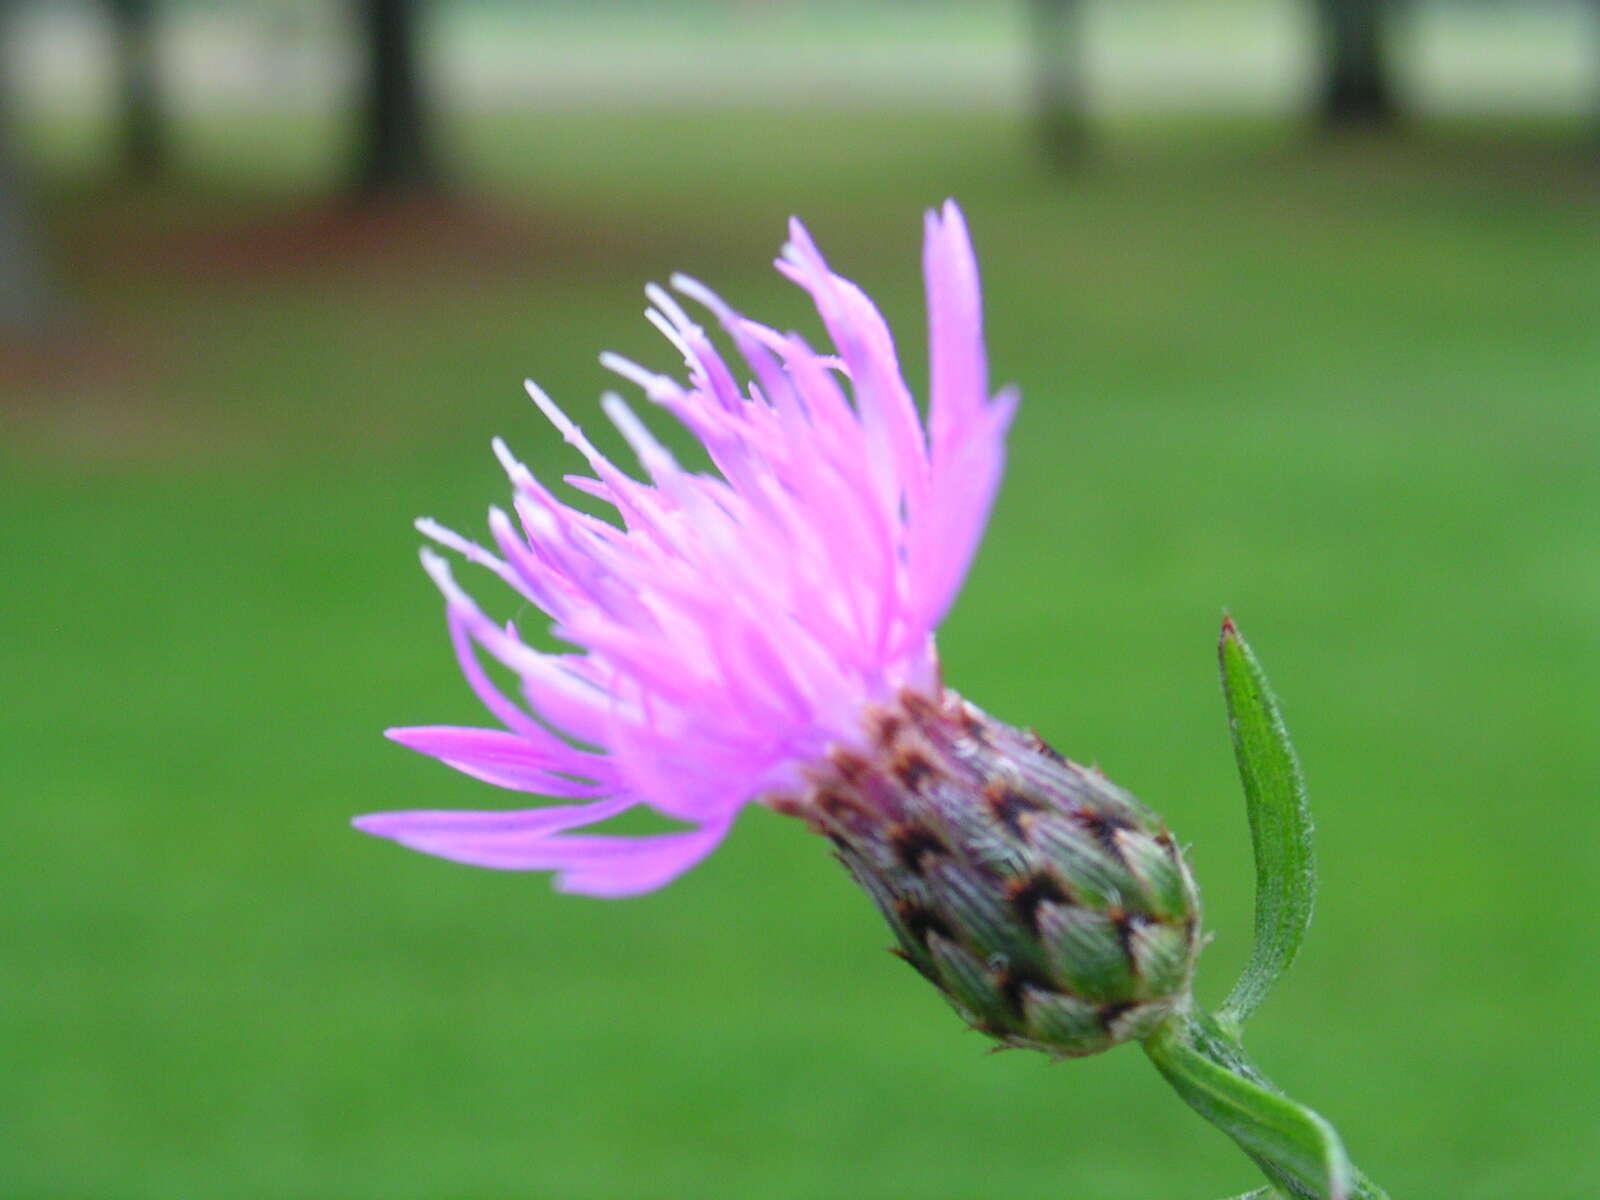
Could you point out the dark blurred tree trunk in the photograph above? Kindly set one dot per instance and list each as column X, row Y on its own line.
column 142, row 142
column 1357, row 90
column 28, row 301
column 395, row 154
column 1057, row 37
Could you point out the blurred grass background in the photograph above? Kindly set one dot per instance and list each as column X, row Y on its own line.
column 1345, row 388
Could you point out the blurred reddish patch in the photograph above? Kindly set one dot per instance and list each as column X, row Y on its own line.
column 367, row 240
column 67, row 357
column 82, row 391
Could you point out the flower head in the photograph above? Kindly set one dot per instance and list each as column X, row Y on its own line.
column 766, row 633
column 730, row 631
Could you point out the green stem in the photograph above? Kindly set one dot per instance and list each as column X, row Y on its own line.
column 1298, row 1151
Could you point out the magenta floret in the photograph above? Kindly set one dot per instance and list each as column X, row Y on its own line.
column 735, row 626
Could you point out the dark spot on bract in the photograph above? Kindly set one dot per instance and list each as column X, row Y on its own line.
column 919, row 706
column 1103, row 828
column 886, row 727
column 911, row 767
column 1013, row 981
column 1027, row 894
column 912, row 843
column 921, row 921
column 787, row 806
column 1044, row 747
column 841, row 806
column 852, row 767
column 1008, row 805
column 972, row 724
column 1122, row 923
column 1108, row 1013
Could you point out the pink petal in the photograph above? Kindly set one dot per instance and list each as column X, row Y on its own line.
column 591, row 864
column 622, row 869
column 737, row 621
column 958, row 367
column 506, row 760
column 455, row 826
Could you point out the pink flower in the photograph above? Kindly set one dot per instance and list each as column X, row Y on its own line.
column 735, row 627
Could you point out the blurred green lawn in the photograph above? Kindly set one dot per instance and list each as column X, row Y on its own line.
column 1348, row 391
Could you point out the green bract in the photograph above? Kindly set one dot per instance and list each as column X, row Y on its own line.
column 1051, row 907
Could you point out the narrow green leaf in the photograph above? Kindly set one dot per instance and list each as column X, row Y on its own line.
column 1295, row 1148
column 1280, row 825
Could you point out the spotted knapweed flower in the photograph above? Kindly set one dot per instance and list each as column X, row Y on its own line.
column 765, row 633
